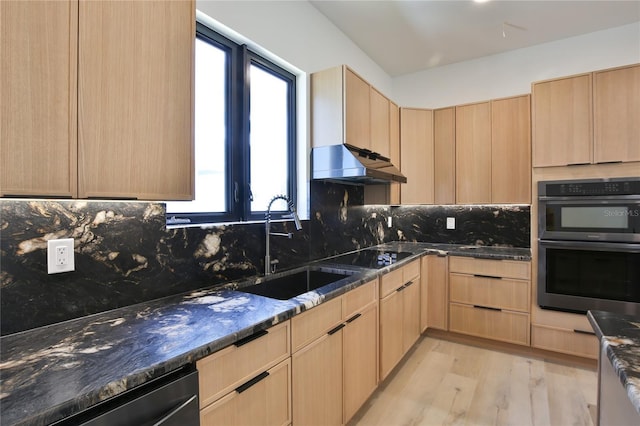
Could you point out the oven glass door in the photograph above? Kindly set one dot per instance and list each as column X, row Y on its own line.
column 598, row 220
column 578, row 276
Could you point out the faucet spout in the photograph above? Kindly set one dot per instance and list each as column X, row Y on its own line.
column 269, row 265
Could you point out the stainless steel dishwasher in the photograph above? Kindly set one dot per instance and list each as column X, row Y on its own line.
column 169, row 400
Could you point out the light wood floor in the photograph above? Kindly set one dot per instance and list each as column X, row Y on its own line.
column 446, row 383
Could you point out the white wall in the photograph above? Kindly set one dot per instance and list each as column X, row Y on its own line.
column 512, row 73
column 296, row 32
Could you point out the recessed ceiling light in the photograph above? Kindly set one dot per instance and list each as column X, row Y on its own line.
column 480, row 1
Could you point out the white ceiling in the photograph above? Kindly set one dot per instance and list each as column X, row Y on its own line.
column 404, row 36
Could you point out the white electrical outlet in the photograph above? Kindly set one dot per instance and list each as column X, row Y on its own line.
column 451, row 223
column 60, row 256
column 389, row 222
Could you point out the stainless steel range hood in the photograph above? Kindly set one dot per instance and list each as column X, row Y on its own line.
column 348, row 164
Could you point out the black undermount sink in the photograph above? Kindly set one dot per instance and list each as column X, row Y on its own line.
column 285, row 287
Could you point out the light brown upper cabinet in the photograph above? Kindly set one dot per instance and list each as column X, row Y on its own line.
column 511, row 150
column 588, row 118
column 444, row 145
column 493, row 151
column 416, row 155
column 341, row 108
column 616, row 110
column 562, row 121
column 38, row 98
column 394, row 149
column 473, row 153
column 136, row 99
column 97, row 99
column 380, row 123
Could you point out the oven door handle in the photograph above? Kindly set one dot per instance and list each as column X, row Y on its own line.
column 621, row 247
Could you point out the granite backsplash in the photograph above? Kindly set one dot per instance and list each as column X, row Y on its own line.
column 124, row 254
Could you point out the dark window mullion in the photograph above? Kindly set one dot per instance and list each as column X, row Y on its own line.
column 236, row 172
column 244, row 136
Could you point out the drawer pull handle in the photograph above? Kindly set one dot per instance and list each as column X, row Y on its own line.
column 487, row 307
column 408, row 284
column 401, row 288
column 252, row 382
column 251, row 338
column 336, row 329
column 353, row 318
column 575, row 330
column 487, row 276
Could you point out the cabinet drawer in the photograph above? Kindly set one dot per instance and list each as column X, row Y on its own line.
column 411, row 271
column 267, row 402
column 512, row 327
column 564, row 340
column 390, row 282
column 503, row 293
column 494, row 268
column 227, row 369
column 315, row 322
column 357, row 299
column 394, row 279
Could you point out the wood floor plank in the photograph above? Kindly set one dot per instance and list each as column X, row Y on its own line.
column 447, row 383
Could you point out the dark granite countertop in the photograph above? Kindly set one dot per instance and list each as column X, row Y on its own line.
column 52, row 372
column 620, row 336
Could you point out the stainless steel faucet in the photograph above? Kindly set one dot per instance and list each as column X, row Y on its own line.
column 270, row 265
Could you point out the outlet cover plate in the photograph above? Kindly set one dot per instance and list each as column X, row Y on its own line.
column 60, row 256
column 451, row 223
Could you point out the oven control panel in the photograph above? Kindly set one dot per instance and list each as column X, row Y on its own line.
column 595, row 187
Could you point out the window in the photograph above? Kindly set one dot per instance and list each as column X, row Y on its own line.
column 245, row 131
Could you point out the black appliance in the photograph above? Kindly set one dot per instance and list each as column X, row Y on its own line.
column 371, row 259
column 169, row 400
column 589, row 245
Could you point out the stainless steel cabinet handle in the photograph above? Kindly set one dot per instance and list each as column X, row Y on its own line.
column 175, row 410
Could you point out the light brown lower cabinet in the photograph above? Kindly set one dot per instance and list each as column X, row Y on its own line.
column 263, row 401
column 563, row 332
column 399, row 314
column 317, row 382
column 248, row 382
column 335, row 357
column 490, row 298
column 434, row 293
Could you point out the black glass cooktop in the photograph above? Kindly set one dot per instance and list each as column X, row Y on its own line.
column 373, row 259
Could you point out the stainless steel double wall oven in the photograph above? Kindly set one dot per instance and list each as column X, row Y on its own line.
column 589, row 245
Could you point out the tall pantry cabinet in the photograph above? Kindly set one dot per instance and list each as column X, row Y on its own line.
column 105, row 107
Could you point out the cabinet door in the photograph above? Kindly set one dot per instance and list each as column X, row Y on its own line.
column 266, row 402
column 511, row 150
column 561, row 121
column 357, row 110
column 473, row 153
column 317, row 382
column 360, row 359
column 434, row 296
column 38, row 112
column 135, row 118
column 444, row 134
column 380, row 130
column 416, row 155
column 411, row 313
column 391, row 325
column 616, row 108
column 394, row 149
